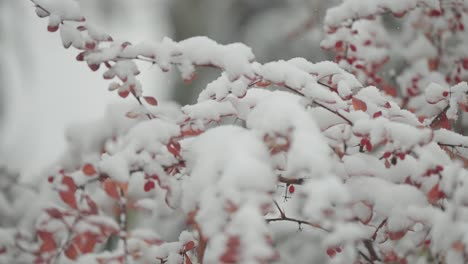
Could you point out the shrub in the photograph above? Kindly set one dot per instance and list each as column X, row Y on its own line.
column 369, row 163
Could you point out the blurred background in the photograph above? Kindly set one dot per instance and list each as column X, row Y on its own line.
column 43, row 90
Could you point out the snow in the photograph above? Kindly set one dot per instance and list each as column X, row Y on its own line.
column 215, row 160
column 347, row 175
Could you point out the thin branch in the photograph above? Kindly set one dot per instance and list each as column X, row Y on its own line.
column 123, row 223
column 283, row 217
column 334, row 112
column 301, row 222
column 319, row 104
column 453, row 146
column 279, row 209
column 297, row 181
column 370, row 248
column 365, row 257
column 71, row 228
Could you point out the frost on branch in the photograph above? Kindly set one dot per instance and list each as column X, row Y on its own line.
column 369, row 166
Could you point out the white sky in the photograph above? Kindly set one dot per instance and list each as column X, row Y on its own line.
column 61, row 91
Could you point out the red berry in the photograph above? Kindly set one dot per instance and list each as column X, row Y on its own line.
column 352, row 47
column 445, row 93
column 387, row 155
column 291, row 188
column 50, row 179
column 149, row 185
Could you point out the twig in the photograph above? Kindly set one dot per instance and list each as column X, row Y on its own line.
column 123, row 222
column 453, row 146
column 283, row 217
column 370, row 248
column 365, row 257
column 297, row 181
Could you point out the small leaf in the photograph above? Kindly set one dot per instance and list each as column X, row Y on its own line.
column 94, row 67
column 187, row 260
column 151, row 100
column 124, row 93
column 435, row 194
column 68, row 196
column 463, row 107
column 48, row 242
column 54, row 213
column 81, row 244
column 93, row 209
column 132, row 115
column 111, row 188
column 189, row 246
column 89, row 170
column 359, row 105
column 396, row 235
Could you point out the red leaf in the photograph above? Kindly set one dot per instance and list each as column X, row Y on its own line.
column 232, row 251
column 124, row 93
column 359, row 105
column 331, row 252
column 68, row 195
column 94, row 67
column 90, row 45
column 458, row 246
column 149, row 185
column 435, row 194
column 433, row 64
column 54, row 213
column 80, row 56
column 174, row 148
column 48, row 242
column 377, row 114
column 93, row 209
column 111, row 188
column 191, row 132
column 52, row 28
column 390, row 90
column 151, row 100
column 262, row 83
column 463, row 107
column 89, row 170
column 81, row 244
column 396, row 235
column 444, row 122
column 189, row 246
